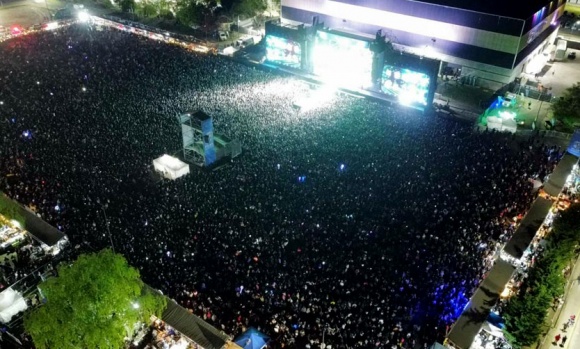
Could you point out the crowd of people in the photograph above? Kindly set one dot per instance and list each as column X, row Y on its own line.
column 350, row 225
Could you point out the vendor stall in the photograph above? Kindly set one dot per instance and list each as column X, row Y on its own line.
column 170, row 167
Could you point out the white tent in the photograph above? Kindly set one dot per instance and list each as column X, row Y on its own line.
column 501, row 124
column 170, row 167
column 11, row 303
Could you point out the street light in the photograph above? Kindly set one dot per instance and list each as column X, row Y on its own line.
column 83, row 16
column 108, row 230
column 540, row 108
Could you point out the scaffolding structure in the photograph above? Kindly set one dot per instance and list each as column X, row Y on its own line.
column 200, row 145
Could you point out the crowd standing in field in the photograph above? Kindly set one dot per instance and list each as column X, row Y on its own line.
column 380, row 244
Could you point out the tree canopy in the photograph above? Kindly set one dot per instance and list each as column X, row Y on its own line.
column 191, row 11
column 249, row 7
column 93, row 303
column 567, row 107
column 525, row 314
column 127, row 5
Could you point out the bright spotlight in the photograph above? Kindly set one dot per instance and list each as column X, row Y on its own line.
column 135, row 305
column 342, row 61
column 51, row 25
column 319, row 97
column 83, row 16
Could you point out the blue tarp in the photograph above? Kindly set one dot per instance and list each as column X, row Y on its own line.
column 574, row 147
column 496, row 320
column 252, row 339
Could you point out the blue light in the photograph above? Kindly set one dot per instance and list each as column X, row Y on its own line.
column 301, row 179
column 457, row 302
column 27, row 134
column 342, row 167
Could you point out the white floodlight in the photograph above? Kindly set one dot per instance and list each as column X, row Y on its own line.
column 51, row 25
column 83, row 16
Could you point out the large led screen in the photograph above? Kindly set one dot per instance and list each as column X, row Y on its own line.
column 341, row 60
column 409, row 86
column 283, row 51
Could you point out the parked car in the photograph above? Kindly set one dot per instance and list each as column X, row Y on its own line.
column 223, row 36
column 245, row 42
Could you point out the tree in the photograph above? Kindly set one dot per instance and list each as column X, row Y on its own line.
column 147, row 9
column 567, row 224
column 190, row 11
column 93, row 303
column 567, row 107
column 525, row 314
column 127, row 5
column 249, row 7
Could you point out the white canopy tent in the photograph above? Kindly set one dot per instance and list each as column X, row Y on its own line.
column 170, row 167
column 11, row 303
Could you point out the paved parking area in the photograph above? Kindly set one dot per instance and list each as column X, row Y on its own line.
column 26, row 13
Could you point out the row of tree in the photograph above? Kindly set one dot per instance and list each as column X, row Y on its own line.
column 200, row 12
column 526, row 313
column 567, row 108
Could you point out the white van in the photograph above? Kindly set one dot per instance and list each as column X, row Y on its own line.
column 223, row 36
column 245, row 41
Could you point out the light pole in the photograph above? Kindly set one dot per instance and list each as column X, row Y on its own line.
column 108, row 230
column 540, row 108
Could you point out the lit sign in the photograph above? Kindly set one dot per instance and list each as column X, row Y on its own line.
column 342, row 61
column 283, row 51
column 409, row 86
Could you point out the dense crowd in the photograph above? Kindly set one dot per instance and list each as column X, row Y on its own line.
column 380, row 243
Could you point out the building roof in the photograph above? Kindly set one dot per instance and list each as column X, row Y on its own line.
column 558, row 177
column 477, row 310
column 36, row 226
column 520, row 10
column 193, row 327
column 528, row 228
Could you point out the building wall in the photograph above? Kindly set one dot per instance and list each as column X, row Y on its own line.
column 476, row 20
column 486, row 45
column 491, row 47
column 573, row 6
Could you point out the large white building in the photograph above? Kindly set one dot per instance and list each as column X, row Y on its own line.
column 492, row 40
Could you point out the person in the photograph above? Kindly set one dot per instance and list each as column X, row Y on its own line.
column 557, row 339
column 338, row 258
column 563, row 341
